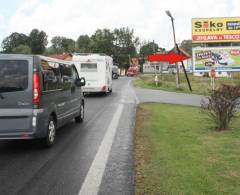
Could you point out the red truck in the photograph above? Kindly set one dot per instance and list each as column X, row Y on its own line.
column 132, row 71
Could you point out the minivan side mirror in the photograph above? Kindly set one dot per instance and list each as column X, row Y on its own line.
column 80, row 82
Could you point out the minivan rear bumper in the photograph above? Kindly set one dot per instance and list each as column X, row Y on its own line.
column 34, row 125
column 19, row 135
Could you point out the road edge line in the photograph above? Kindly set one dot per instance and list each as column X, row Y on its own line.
column 95, row 173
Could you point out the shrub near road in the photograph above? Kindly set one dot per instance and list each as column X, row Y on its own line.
column 177, row 151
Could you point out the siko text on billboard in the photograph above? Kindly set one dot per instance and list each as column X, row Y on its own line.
column 206, row 30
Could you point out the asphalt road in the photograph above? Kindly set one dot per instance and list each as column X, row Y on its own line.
column 149, row 95
column 27, row 168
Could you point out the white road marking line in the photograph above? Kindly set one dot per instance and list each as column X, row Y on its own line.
column 135, row 95
column 94, row 176
column 129, row 82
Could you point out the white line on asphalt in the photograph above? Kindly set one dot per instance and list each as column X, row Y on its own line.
column 135, row 95
column 94, row 176
column 129, row 82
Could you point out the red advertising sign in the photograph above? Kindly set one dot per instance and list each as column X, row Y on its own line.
column 213, row 38
column 171, row 57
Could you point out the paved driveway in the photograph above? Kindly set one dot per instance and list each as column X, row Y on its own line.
column 149, row 95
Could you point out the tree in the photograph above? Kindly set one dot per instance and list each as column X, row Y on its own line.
column 187, row 46
column 124, row 46
column 38, row 41
column 13, row 41
column 22, row 49
column 148, row 48
column 121, row 43
column 68, row 45
column 125, row 40
column 84, row 44
column 57, row 44
column 63, row 44
column 102, row 42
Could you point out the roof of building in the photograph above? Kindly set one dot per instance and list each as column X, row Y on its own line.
column 60, row 56
column 182, row 51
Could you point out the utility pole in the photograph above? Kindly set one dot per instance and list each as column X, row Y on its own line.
column 175, row 48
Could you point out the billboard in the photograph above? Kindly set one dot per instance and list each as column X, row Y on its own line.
column 221, row 58
column 206, row 30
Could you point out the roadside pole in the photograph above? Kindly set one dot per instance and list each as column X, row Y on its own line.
column 213, row 76
column 184, row 69
column 156, row 80
column 175, row 48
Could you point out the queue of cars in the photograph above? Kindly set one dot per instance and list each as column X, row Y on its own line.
column 39, row 94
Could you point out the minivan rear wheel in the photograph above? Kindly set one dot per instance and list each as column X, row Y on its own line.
column 49, row 140
column 80, row 117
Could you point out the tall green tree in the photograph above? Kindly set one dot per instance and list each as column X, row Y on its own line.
column 102, row 42
column 148, row 48
column 124, row 46
column 84, row 44
column 68, row 45
column 38, row 41
column 125, row 40
column 63, row 44
column 13, row 41
column 57, row 44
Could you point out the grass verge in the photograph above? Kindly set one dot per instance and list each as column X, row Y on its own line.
column 200, row 85
column 178, row 152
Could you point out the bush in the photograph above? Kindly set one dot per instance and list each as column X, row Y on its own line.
column 222, row 105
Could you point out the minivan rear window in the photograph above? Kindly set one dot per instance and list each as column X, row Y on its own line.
column 88, row 67
column 13, row 75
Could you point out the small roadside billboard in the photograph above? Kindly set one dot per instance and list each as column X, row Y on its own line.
column 221, row 58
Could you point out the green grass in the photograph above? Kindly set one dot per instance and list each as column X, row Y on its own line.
column 200, row 85
column 178, row 152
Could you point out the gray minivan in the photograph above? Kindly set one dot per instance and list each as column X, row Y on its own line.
column 37, row 95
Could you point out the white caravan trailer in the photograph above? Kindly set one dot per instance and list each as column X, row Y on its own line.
column 97, row 70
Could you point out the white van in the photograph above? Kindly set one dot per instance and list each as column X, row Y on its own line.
column 97, row 70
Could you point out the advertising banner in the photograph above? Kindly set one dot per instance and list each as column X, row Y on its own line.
column 206, row 30
column 221, row 58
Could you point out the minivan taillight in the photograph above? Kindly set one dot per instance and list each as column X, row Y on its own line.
column 36, row 88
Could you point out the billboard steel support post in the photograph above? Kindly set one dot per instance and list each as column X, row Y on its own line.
column 184, row 69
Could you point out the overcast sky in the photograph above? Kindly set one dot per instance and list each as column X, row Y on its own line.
column 72, row 18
